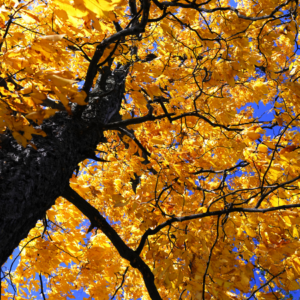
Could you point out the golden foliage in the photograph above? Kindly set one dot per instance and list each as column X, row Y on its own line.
column 226, row 176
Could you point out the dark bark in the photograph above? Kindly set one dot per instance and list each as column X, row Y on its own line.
column 98, row 221
column 31, row 180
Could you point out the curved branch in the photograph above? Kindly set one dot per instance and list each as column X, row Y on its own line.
column 204, row 215
column 197, row 7
column 97, row 220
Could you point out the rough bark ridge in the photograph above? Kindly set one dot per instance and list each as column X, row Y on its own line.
column 31, row 180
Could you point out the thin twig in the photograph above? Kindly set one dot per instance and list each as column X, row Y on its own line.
column 42, row 288
column 253, row 293
column 209, row 258
column 123, row 280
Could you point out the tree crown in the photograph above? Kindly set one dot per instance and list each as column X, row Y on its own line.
column 192, row 192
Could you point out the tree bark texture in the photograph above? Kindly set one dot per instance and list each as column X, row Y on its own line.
column 31, row 180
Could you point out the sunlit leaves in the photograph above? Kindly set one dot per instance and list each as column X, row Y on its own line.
column 212, row 152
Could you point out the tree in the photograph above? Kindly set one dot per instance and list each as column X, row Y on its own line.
column 134, row 161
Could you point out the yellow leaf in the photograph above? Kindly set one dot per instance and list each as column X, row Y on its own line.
column 262, row 148
column 287, row 221
column 262, row 87
column 292, row 285
column 294, row 87
column 100, row 8
column 19, row 138
column 279, row 120
column 250, row 231
column 126, row 116
column 277, row 201
column 29, row 131
column 27, row 89
column 79, row 98
column 71, row 9
column 49, row 112
column 38, row 97
column 59, row 81
column 62, row 98
column 158, row 141
column 288, row 149
column 31, row 15
column 139, row 99
column 17, row 62
column 231, row 81
column 117, row 197
column 295, row 232
column 53, row 37
column 253, row 135
column 201, row 210
column 121, row 204
column 36, row 116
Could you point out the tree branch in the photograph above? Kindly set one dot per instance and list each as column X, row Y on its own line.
column 123, row 280
column 124, row 123
column 132, row 136
column 97, row 220
column 262, row 286
column 42, row 287
column 55, row 104
column 209, row 258
column 204, row 215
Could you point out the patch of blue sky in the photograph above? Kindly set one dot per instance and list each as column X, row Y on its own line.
column 233, row 3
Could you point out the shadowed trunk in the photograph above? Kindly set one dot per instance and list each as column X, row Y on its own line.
column 31, row 180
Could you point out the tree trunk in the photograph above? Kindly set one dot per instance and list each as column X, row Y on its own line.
column 31, row 180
